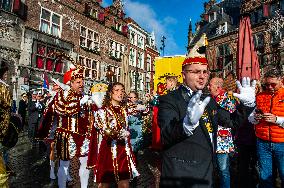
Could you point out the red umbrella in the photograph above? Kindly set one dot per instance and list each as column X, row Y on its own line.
column 247, row 61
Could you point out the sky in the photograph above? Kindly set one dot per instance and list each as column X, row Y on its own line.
column 169, row 18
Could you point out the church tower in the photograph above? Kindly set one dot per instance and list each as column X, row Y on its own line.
column 189, row 35
column 118, row 4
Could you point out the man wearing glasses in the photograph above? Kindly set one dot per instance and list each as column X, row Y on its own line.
column 188, row 120
column 269, row 128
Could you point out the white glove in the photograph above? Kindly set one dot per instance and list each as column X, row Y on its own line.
column 37, row 104
column 140, row 107
column 252, row 119
column 61, row 85
column 124, row 134
column 247, row 92
column 98, row 98
column 196, row 108
column 84, row 100
column 52, row 93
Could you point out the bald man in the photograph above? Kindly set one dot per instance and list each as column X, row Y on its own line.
column 215, row 86
column 225, row 144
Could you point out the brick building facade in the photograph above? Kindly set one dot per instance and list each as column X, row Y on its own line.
column 142, row 53
column 96, row 37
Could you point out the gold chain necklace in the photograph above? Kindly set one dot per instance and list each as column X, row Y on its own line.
column 118, row 116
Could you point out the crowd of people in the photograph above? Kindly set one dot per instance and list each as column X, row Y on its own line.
column 198, row 126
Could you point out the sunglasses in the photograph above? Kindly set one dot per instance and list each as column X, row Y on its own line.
column 270, row 84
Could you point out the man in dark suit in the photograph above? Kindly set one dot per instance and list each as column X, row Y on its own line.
column 23, row 106
column 35, row 109
column 188, row 121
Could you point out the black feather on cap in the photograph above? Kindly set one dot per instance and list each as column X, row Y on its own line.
column 201, row 50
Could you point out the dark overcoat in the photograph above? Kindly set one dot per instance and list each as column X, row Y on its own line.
column 187, row 161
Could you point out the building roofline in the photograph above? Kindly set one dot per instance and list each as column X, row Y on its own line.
column 131, row 22
column 161, row 57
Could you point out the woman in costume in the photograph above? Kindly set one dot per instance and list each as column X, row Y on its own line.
column 5, row 114
column 112, row 157
column 135, row 121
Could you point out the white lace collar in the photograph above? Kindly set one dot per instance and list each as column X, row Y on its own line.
column 3, row 82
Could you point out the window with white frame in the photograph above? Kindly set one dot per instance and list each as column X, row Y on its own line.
column 140, row 62
column 118, row 26
column 89, row 39
column 222, row 29
column 212, row 16
column 94, row 13
column 117, row 72
column 140, row 42
column 116, row 49
column 148, row 79
column 132, row 57
column 45, row 57
column 135, row 39
column 132, row 37
column 91, row 67
column 224, row 56
column 137, row 80
column 50, row 22
column 140, row 81
column 132, row 79
column 148, row 63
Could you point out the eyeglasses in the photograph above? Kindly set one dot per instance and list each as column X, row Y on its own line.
column 199, row 72
column 270, row 84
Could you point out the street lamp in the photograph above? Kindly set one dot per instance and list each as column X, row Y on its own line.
column 109, row 75
column 163, row 45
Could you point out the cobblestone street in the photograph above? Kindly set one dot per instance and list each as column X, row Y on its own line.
column 32, row 168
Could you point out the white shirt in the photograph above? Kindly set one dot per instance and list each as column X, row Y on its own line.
column 279, row 120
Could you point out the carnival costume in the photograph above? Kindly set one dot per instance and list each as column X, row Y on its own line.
column 49, row 125
column 225, row 143
column 5, row 112
column 72, row 129
column 115, row 159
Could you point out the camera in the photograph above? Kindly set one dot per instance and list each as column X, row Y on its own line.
column 258, row 111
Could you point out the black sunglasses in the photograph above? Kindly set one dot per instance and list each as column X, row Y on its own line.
column 270, row 84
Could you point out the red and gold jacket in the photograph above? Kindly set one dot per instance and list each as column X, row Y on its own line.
column 270, row 103
column 72, row 122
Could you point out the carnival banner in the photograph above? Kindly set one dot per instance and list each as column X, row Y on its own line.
column 167, row 66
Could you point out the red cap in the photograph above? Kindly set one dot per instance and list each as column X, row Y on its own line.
column 72, row 74
column 195, row 55
column 195, row 60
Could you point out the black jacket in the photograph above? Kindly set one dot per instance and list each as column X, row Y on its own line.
column 22, row 110
column 35, row 113
column 187, row 161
